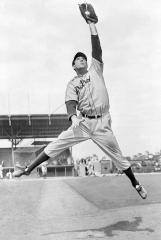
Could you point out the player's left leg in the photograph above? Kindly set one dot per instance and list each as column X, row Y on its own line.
column 66, row 139
column 105, row 139
column 25, row 170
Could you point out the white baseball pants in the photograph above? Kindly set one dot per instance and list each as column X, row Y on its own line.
column 99, row 131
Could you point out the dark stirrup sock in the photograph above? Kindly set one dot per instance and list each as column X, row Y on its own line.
column 42, row 157
column 131, row 176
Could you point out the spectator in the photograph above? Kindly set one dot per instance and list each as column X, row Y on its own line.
column 1, row 170
column 76, row 167
column 44, row 169
column 90, row 167
column 9, row 174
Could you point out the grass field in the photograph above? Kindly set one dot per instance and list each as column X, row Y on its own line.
column 80, row 208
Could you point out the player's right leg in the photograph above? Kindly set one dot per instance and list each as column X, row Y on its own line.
column 112, row 150
column 105, row 139
column 66, row 139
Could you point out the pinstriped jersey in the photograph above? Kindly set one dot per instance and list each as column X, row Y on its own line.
column 89, row 90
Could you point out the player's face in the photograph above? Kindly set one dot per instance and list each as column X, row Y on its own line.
column 80, row 63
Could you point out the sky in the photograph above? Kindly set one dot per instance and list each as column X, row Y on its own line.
column 38, row 40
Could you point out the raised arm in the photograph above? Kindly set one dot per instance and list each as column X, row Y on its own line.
column 96, row 46
column 88, row 13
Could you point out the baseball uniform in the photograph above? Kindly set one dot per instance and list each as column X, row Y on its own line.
column 88, row 93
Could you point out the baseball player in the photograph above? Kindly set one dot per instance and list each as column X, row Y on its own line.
column 87, row 104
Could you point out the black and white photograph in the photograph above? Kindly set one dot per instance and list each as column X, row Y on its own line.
column 80, row 119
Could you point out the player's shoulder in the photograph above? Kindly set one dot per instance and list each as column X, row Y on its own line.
column 72, row 83
column 97, row 62
column 96, row 65
column 74, row 80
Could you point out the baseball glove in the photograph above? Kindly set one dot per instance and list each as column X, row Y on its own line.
column 88, row 12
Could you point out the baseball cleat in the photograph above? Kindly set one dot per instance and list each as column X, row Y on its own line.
column 141, row 190
column 20, row 171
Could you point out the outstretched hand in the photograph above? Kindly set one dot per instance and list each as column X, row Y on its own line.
column 76, row 121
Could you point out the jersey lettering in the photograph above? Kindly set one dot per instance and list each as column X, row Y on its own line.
column 81, row 84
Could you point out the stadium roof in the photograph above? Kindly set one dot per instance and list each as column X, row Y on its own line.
column 27, row 149
column 32, row 126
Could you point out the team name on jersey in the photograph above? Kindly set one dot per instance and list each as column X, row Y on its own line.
column 81, row 84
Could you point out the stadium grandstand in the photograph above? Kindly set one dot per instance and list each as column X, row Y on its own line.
column 16, row 128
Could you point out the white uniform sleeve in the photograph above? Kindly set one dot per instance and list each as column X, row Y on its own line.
column 71, row 93
column 98, row 66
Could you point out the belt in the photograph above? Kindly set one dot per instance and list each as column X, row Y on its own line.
column 91, row 117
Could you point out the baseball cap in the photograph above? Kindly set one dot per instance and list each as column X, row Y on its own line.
column 79, row 54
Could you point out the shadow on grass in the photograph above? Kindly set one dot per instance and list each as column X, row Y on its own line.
column 132, row 226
